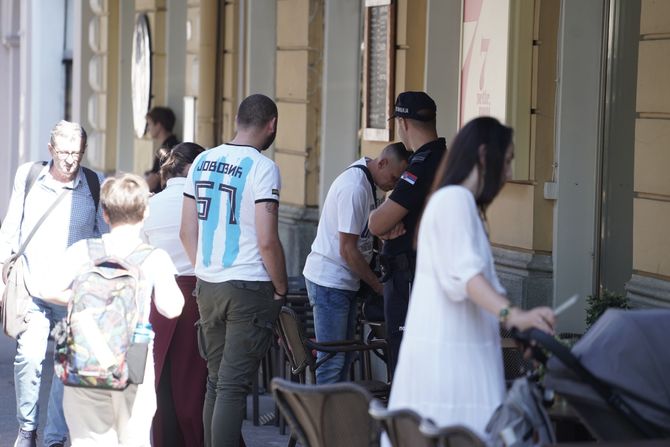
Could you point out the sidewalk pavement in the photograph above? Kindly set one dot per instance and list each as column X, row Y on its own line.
column 263, row 435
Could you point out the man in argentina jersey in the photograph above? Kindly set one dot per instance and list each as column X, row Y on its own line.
column 229, row 230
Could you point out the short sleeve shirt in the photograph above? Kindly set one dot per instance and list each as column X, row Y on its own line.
column 412, row 190
column 227, row 182
column 346, row 209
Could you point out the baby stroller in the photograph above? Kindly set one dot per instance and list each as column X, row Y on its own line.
column 617, row 376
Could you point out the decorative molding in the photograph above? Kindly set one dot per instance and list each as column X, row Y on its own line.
column 297, row 230
column 651, row 196
column 645, row 291
column 655, row 36
column 523, row 262
column 527, row 276
column 292, row 214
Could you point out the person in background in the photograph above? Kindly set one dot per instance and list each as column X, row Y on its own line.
column 181, row 374
column 160, row 122
column 77, row 216
column 450, row 367
column 342, row 250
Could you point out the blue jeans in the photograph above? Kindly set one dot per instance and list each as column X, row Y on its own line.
column 334, row 319
column 30, row 356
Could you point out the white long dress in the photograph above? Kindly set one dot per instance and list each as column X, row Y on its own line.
column 450, row 365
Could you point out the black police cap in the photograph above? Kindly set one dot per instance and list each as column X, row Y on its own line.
column 414, row 105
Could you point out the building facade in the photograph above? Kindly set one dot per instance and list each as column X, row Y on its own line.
column 584, row 84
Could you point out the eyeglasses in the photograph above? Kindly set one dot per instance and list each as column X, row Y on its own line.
column 63, row 155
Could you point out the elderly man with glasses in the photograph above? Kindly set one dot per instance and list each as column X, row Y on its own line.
column 75, row 191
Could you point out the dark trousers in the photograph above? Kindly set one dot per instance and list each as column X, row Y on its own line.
column 396, row 299
column 181, row 375
column 236, row 322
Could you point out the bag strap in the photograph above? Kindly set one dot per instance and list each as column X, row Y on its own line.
column 137, row 257
column 375, row 241
column 368, row 175
column 39, row 222
column 31, row 178
column 140, row 254
column 93, row 185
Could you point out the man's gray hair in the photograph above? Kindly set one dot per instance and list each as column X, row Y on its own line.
column 68, row 131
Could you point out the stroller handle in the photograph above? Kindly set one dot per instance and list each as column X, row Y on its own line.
column 534, row 338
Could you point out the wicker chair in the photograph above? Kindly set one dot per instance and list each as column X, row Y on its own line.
column 406, row 428
column 452, row 436
column 299, row 352
column 401, row 426
column 326, row 415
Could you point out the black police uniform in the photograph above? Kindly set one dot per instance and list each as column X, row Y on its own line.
column 398, row 255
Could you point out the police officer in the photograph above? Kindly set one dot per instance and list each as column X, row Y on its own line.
column 396, row 219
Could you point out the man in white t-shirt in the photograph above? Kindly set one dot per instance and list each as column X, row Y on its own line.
column 229, row 231
column 342, row 251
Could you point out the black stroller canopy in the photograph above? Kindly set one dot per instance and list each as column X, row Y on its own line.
column 629, row 350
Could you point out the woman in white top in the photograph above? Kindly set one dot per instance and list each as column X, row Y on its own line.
column 450, row 365
column 181, row 373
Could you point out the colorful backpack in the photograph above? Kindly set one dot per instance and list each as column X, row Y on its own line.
column 94, row 345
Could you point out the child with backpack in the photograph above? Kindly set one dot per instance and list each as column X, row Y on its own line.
column 105, row 352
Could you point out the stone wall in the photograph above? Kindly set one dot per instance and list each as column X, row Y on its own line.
column 528, row 277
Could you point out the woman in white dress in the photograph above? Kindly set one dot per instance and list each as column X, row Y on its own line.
column 450, row 365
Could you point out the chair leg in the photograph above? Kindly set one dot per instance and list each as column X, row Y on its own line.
column 280, row 418
column 367, row 366
column 255, row 401
column 292, row 441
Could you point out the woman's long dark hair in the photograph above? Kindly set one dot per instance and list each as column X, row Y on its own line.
column 176, row 159
column 463, row 156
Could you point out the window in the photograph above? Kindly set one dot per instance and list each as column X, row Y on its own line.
column 378, row 69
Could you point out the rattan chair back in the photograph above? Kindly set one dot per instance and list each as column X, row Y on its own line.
column 327, row 415
column 291, row 340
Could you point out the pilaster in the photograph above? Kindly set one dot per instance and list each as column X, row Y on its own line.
column 527, row 276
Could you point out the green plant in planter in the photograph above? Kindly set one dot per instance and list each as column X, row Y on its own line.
column 597, row 305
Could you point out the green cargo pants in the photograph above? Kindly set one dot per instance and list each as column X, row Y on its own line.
column 235, row 333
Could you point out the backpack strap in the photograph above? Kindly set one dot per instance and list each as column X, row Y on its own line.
column 31, row 178
column 93, row 185
column 96, row 249
column 140, row 254
column 137, row 257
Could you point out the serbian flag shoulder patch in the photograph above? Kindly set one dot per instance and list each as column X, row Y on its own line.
column 408, row 177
